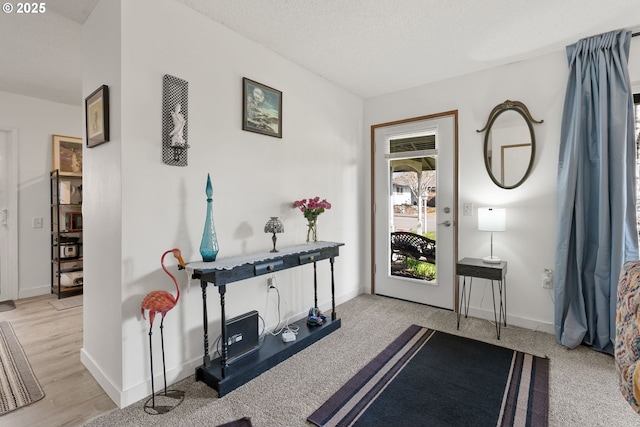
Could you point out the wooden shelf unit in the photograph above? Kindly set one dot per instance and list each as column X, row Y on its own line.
column 66, row 236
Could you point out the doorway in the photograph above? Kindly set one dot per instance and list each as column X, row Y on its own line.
column 414, row 215
column 8, row 214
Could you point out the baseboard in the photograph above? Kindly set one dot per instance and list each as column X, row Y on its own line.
column 143, row 389
column 522, row 322
column 34, row 292
column 109, row 388
column 124, row 398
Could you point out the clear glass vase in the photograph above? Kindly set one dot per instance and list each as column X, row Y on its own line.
column 312, row 229
column 209, row 244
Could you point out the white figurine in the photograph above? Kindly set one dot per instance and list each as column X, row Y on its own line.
column 177, row 138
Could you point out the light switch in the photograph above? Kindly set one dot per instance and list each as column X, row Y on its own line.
column 37, row 222
column 468, row 209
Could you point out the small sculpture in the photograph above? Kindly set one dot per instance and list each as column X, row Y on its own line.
column 177, row 134
column 161, row 302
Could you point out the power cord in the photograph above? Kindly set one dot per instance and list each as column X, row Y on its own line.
column 286, row 327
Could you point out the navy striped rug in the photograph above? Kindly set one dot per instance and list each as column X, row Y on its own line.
column 431, row 378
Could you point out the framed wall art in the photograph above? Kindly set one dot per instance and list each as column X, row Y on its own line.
column 97, row 116
column 261, row 108
column 67, row 155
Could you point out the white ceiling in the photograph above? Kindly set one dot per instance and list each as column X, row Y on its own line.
column 368, row 47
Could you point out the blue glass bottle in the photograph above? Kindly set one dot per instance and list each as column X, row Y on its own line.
column 209, row 244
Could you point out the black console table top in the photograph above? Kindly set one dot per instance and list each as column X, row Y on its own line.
column 232, row 269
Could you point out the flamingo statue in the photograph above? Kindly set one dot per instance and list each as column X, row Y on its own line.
column 161, row 302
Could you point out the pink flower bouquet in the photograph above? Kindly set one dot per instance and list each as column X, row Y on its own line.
column 311, row 209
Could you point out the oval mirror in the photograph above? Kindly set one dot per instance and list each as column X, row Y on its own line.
column 509, row 144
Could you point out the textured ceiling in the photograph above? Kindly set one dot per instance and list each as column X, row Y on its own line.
column 368, row 47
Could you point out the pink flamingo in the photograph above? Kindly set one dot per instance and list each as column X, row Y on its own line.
column 161, row 302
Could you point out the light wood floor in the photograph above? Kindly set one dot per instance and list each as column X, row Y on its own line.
column 52, row 340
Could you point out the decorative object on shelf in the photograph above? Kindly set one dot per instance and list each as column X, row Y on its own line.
column 74, row 221
column 160, row 302
column 175, row 113
column 69, row 192
column 311, row 209
column 209, row 244
column 261, row 109
column 76, row 195
column 96, row 108
column 67, row 155
column 65, row 191
column 71, row 279
column 315, row 317
column 274, row 225
column 492, row 219
column 509, row 144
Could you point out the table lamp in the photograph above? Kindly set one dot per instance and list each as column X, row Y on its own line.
column 274, row 225
column 492, row 219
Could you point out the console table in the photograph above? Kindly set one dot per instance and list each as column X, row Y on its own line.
column 475, row 267
column 219, row 373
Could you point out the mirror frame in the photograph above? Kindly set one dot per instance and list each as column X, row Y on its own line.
column 521, row 109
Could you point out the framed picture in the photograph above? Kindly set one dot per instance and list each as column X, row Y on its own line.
column 67, row 155
column 96, row 108
column 261, row 109
column 74, row 221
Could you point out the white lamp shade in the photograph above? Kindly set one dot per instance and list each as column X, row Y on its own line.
column 492, row 219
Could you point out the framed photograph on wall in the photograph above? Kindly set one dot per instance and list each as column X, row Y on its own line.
column 261, row 108
column 96, row 108
column 67, row 155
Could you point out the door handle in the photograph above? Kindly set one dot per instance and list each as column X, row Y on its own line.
column 447, row 223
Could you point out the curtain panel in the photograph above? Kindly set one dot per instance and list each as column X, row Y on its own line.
column 596, row 194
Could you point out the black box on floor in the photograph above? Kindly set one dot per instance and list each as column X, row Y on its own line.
column 242, row 336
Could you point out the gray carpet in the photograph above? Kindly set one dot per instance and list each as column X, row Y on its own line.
column 583, row 384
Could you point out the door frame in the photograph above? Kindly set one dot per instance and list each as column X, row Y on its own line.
column 11, row 275
column 374, row 127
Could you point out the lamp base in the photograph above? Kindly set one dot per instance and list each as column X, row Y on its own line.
column 491, row 260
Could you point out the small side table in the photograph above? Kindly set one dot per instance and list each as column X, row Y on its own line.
column 476, row 267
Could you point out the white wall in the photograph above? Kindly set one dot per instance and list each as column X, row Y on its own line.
column 102, row 351
column 163, row 206
column 35, row 121
column 528, row 245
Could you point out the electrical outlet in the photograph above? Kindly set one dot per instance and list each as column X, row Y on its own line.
column 468, row 209
column 270, row 283
column 547, row 278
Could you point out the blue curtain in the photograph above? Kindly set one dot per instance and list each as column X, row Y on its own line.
column 596, row 196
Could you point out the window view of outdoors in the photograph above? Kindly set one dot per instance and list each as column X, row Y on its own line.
column 413, row 228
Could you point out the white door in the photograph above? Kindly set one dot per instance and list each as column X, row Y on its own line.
column 8, row 216
column 416, row 156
